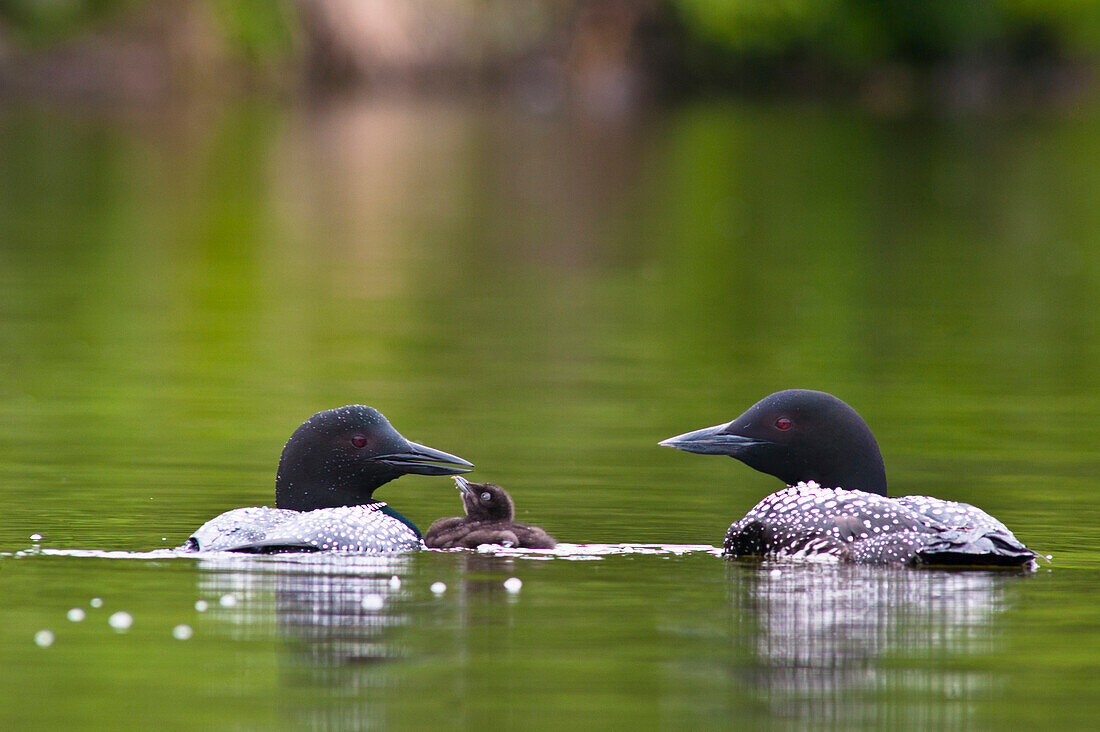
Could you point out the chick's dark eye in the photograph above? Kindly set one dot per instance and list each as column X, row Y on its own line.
column 783, row 423
column 485, row 496
column 359, row 441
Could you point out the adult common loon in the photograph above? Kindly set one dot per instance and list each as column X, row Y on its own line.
column 488, row 520
column 836, row 504
column 328, row 472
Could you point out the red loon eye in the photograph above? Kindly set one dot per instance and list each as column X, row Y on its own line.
column 783, row 423
column 359, row 441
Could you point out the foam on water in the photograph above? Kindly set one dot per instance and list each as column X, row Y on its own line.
column 587, row 552
column 573, row 552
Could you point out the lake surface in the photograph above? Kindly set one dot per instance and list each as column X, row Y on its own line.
column 547, row 297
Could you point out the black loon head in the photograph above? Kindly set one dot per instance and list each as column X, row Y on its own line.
column 485, row 501
column 340, row 456
column 797, row 435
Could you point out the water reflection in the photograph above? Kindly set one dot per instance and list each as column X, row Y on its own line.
column 828, row 639
column 333, row 613
column 346, row 663
column 315, row 596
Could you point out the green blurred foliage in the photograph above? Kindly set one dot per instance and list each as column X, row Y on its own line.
column 852, row 33
column 257, row 29
column 37, row 22
column 859, row 32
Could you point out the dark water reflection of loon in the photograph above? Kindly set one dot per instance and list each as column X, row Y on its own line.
column 827, row 639
column 316, row 597
column 333, row 641
column 817, row 644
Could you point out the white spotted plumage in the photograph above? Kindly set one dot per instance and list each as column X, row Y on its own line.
column 366, row 528
column 806, row 520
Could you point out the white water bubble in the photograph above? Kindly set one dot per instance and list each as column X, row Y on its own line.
column 96, row 602
column 201, row 605
column 513, row 584
column 438, row 588
column 395, row 583
column 228, row 600
column 183, row 631
column 121, row 621
column 373, row 602
column 36, row 537
column 76, row 614
column 43, row 638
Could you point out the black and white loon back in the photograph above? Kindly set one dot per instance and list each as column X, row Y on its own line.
column 372, row 527
column 807, row 521
column 328, row 472
column 811, row 439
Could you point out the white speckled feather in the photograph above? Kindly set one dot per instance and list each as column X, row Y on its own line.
column 364, row 528
column 866, row 528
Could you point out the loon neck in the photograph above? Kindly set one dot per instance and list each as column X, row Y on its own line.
column 846, row 456
column 301, row 496
column 867, row 475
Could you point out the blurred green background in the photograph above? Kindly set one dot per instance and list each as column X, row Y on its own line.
column 543, row 236
column 894, row 55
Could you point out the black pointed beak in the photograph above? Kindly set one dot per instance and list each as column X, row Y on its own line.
column 713, row 441
column 424, row 460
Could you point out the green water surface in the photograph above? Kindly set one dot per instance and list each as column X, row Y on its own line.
column 547, row 297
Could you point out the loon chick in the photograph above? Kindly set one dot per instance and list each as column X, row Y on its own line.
column 836, row 502
column 329, row 469
column 488, row 520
